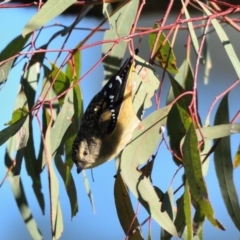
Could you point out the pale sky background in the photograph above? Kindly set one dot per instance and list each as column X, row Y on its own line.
column 104, row 224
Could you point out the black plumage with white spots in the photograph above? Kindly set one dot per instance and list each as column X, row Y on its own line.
column 100, row 118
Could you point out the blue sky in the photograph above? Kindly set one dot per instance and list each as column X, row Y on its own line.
column 104, row 224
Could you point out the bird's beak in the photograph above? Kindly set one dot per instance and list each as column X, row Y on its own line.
column 79, row 169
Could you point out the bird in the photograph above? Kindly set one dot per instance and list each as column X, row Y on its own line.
column 108, row 122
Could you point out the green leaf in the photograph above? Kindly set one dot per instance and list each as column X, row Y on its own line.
column 45, row 122
column 107, row 10
column 168, row 203
column 191, row 29
column 125, row 212
column 4, row 70
column 224, row 166
column 193, row 171
column 23, row 134
column 88, row 190
column 122, row 20
column 204, row 152
column 53, row 139
column 61, row 82
column 69, row 184
column 14, row 47
column 145, row 84
column 48, row 94
column 62, row 122
column 179, row 118
column 73, row 73
column 11, row 50
column 29, row 83
column 22, row 203
column 167, row 200
column 163, row 51
column 187, row 211
column 218, row 131
column 33, row 167
column 182, row 103
column 75, row 124
column 176, row 132
column 185, row 76
column 224, row 40
column 30, row 80
column 17, row 115
column 206, row 60
column 73, row 68
column 198, row 221
column 17, row 187
column 55, row 209
column 19, row 140
column 50, row 10
column 8, row 132
column 180, row 220
column 138, row 151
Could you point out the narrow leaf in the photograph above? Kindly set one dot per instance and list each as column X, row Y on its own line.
column 126, row 215
column 185, row 76
column 17, row 115
column 191, row 29
column 75, row 124
column 73, row 68
column 69, row 183
column 182, row 103
column 73, row 73
column 224, row 40
column 187, row 211
column 11, row 50
column 29, row 83
column 30, row 79
column 61, row 82
column 50, row 10
column 88, row 190
column 138, row 151
column 56, row 213
column 107, row 10
column 25, row 211
column 224, row 167
column 8, row 132
column 145, row 84
column 180, row 220
column 163, row 51
column 4, row 70
column 193, row 171
column 168, row 206
column 62, row 122
column 218, row 131
column 198, row 221
column 18, row 190
column 33, row 167
column 122, row 20
column 175, row 125
column 178, row 119
column 48, row 94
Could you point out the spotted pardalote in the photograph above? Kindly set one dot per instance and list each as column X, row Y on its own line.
column 108, row 122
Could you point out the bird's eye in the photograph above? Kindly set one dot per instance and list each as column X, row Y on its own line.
column 85, row 153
